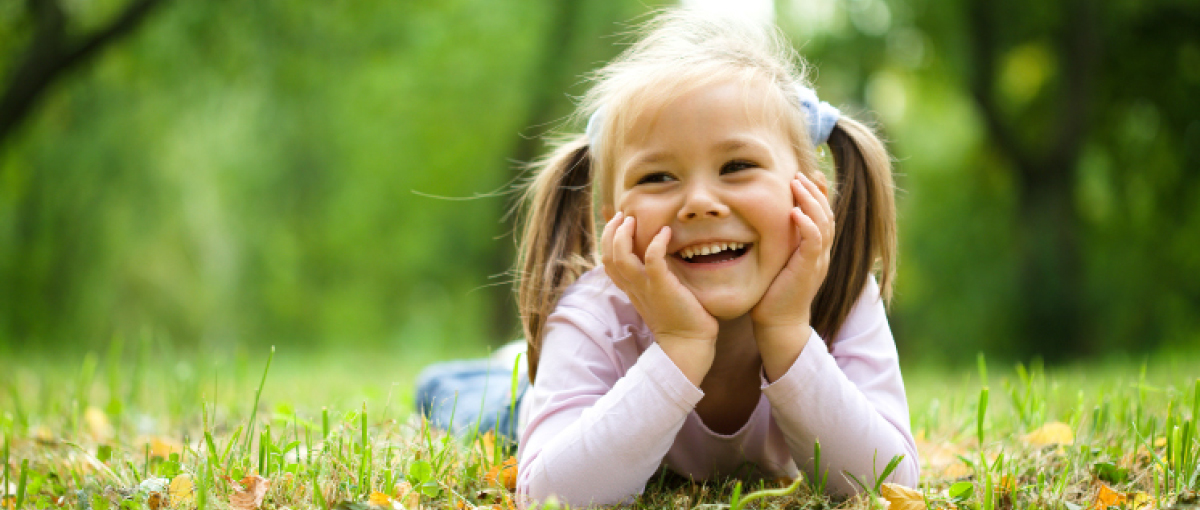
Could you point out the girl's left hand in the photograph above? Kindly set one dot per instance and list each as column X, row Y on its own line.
column 788, row 301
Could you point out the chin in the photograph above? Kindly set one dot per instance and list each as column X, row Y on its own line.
column 726, row 309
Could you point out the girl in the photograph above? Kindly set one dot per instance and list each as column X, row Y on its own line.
column 726, row 315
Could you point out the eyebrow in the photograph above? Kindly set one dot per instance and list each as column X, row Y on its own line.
column 722, row 147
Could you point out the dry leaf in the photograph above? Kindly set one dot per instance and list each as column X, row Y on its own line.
column 159, row 446
column 900, row 497
column 1106, row 497
column 383, row 501
column 156, row 501
column 182, row 490
column 1141, row 501
column 97, row 423
column 9, row 502
column 489, row 444
column 1052, row 433
column 407, row 496
column 941, row 460
column 251, row 496
column 504, row 474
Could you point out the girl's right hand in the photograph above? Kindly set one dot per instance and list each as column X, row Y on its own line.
column 680, row 324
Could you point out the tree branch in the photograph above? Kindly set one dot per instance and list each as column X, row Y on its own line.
column 49, row 56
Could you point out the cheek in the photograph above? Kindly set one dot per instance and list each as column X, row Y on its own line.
column 649, row 222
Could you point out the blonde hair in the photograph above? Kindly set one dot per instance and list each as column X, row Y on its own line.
column 678, row 52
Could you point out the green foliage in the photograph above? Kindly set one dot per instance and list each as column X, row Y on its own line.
column 264, row 172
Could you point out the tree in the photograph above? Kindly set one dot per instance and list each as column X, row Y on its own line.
column 53, row 52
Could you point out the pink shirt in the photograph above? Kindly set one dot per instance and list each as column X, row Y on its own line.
column 609, row 407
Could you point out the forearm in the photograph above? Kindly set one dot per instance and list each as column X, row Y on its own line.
column 816, row 401
column 605, row 453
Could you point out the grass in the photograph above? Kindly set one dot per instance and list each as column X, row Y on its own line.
column 110, row 430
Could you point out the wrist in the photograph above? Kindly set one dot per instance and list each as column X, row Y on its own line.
column 780, row 345
column 693, row 356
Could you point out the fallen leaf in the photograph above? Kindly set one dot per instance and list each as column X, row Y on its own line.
column 159, row 446
column 1141, row 501
column 251, row 495
column 900, row 497
column 407, row 496
column 941, row 460
column 156, row 501
column 9, row 502
column 489, row 444
column 1106, row 497
column 504, row 474
column 97, row 423
column 1052, row 433
column 381, row 500
column 182, row 490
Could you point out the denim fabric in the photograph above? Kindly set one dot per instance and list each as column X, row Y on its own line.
column 470, row 392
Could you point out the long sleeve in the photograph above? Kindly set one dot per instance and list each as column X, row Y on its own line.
column 593, row 435
column 851, row 399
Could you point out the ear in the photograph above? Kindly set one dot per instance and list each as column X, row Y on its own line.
column 608, row 213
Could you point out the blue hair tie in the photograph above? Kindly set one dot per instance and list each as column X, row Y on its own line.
column 821, row 118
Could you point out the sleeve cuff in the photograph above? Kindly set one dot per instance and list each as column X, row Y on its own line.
column 662, row 372
column 812, row 360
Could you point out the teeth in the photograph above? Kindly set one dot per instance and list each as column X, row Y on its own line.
column 709, row 249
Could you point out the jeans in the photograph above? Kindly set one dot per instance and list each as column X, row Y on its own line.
column 457, row 395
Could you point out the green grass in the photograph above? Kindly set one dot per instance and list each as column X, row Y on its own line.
column 328, row 430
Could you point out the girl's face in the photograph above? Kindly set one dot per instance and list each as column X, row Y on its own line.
column 718, row 175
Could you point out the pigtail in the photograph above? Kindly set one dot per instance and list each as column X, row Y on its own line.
column 558, row 241
column 865, row 223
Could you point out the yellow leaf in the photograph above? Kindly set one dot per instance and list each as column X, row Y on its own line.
column 941, row 460
column 900, row 497
column 159, row 446
column 504, row 474
column 489, row 445
column 251, row 495
column 1051, row 434
column 407, row 496
column 1141, row 501
column 1106, row 497
column 182, row 490
column 380, row 499
column 97, row 423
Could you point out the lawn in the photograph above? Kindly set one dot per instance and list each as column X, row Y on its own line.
column 155, row 429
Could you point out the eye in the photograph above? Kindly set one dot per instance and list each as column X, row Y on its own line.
column 655, row 178
column 737, row 165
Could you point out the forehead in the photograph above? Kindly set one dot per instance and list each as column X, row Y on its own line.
column 710, row 113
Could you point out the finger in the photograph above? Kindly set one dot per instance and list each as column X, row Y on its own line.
column 606, row 238
column 623, row 254
column 810, row 235
column 656, row 254
column 823, row 184
column 802, row 193
column 815, row 206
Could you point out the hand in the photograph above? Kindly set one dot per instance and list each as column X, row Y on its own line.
column 787, row 304
column 681, row 326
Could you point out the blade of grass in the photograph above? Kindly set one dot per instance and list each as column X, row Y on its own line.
column 22, row 480
column 257, row 395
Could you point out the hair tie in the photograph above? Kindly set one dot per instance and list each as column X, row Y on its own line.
column 820, row 116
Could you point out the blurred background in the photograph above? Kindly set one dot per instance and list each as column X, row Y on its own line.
column 336, row 176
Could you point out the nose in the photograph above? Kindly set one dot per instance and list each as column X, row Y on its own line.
column 701, row 202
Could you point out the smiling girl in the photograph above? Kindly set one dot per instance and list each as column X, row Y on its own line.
column 727, row 317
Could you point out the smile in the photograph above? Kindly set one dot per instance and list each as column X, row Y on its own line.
column 709, row 253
